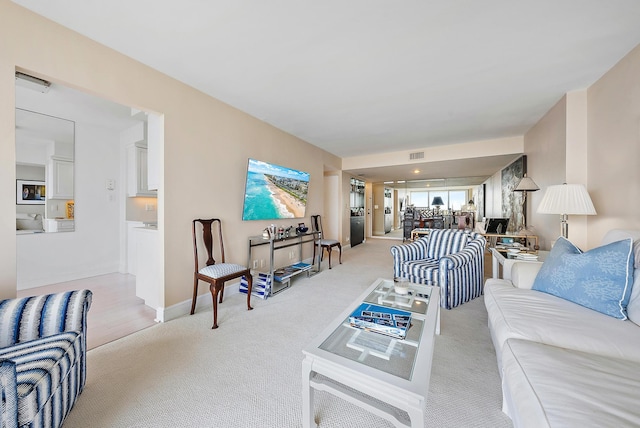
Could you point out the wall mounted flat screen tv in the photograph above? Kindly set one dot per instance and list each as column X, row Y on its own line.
column 497, row 225
column 274, row 192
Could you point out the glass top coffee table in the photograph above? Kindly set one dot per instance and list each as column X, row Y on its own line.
column 382, row 374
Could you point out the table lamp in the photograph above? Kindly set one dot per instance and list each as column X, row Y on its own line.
column 566, row 199
column 437, row 202
column 525, row 185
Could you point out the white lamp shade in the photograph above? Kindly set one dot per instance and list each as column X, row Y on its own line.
column 526, row 184
column 571, row 199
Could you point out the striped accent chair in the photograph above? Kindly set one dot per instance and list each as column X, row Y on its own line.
column 450, row 259
column 42, row 357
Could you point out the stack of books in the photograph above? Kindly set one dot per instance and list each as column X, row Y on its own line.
column 286, row 272
column 261, row 286
column 380, row 319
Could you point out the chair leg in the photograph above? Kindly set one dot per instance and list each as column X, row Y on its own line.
column 195, row 294
column 329, row 251
column 249, row 287
column 340, row 251
column 214, row 294
column 314, row 252
column 221, row 293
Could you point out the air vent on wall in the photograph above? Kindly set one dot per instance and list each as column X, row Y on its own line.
column 31, row 82
column 416, row 155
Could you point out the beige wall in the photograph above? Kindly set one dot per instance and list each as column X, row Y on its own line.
column 545, row 147
column 614, row 148
column 591, row 137
column 207, row 143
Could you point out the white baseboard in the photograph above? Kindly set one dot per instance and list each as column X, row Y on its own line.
column 202, row 302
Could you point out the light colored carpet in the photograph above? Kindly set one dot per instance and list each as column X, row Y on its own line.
column 247, row 373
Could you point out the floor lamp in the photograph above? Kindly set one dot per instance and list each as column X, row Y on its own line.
column 525, row 185
column 566, row 199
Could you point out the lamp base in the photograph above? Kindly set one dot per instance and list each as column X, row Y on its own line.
column 564, row 227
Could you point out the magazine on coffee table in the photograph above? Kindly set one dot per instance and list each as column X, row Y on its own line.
column 380, row 319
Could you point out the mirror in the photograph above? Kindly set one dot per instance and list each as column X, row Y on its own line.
column 44, row 172
column 391, row 199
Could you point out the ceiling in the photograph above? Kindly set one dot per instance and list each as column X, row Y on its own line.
column 361, row 77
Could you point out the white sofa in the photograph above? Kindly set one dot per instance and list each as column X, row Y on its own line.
column 562, row 364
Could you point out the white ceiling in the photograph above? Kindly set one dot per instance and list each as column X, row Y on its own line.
column 370, row 76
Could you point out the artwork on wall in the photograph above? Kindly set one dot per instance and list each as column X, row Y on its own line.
column 512, row 207
column 274, row 192
column 480, row 201
column 30, row 192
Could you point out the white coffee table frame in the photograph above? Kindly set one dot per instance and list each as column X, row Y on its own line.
column 325, row 371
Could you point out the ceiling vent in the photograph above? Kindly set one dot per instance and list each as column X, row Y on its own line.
column 416, row 155
column 31, row 82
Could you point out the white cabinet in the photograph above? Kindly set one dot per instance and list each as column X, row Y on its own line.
column 59, row 225
column 137, row 164
column 155, row 143
column 60, row 178
column 149, row 276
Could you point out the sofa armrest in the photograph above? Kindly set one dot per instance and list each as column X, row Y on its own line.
column 31, row 318
column 523, row 274
column 8, row 394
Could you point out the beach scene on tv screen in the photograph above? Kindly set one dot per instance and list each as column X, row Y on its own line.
column 274, row 192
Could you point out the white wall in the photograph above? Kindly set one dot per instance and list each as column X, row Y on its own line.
column 94, row 247
column 331, row 218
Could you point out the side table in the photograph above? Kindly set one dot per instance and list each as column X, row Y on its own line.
column 501, row 259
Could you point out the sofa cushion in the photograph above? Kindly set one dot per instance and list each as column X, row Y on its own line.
column 548, row 386
column 599, row 279
column 46, row 368
column 528, row 314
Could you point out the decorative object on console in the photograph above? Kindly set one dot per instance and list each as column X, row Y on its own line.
column 301, row 228
column 599, row 279
column 525, row 185
column 566, row 199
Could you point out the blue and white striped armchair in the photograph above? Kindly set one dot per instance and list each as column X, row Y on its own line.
column 450, row 259
column 42, row 357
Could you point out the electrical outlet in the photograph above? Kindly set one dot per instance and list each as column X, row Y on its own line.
column 255, row 264
column 262, row 263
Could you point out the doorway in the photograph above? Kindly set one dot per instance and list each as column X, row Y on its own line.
column 92, row 254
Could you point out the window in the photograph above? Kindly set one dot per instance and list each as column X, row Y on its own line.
column 419, row 199
column 457, row 199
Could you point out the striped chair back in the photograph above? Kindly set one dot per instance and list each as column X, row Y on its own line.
column 443, row 242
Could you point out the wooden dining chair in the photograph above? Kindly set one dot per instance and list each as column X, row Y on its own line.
column 215, row 273
column 325, row 244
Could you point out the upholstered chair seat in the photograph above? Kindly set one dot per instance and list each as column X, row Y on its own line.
column 222, row 269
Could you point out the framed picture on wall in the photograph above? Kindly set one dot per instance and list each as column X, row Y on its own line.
column 30, row 192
